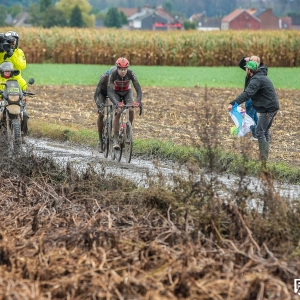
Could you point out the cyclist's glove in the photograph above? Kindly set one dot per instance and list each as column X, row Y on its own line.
column 141, row 108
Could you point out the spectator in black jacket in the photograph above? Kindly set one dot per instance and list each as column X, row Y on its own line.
column 264, row 100
column 248, row 104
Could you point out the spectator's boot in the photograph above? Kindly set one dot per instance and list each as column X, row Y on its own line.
column 264, row 150
column 116, row 145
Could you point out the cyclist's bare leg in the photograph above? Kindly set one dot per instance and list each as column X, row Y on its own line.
column 100, row 124
column 102, row 100
column 115, row 127
column 131, row 115
column 128, row 99
column 115, row 123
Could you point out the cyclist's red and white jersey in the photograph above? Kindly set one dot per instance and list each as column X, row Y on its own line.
column 117, row 84
column 122, row 85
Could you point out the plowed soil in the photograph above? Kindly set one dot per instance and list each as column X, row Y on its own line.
column 176, row 114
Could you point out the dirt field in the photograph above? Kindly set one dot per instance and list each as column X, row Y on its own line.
column 176, row 114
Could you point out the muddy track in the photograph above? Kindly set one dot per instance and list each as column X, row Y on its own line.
column 181, row 115
column 146, row 172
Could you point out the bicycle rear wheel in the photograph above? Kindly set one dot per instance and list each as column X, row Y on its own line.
column 128, row 142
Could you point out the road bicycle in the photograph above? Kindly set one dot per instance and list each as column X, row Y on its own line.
column 125, row 134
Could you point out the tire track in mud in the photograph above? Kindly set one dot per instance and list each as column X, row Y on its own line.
column 141, row 171
column 147, row 172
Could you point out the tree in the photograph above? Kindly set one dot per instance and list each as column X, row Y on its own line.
column 189, row 25
column 35, row 15
column 54, row 17
column 46, row 15
column 44, row 4
column 67, row 6
column 76, row 18
column 113, row 18
column 14, row 9
column 123, row 18
column 2, row 15
column 168, row 6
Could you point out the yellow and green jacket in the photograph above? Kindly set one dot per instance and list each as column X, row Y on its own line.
column 19, row 61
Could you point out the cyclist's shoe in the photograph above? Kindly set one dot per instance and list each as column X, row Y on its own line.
column 100, row 146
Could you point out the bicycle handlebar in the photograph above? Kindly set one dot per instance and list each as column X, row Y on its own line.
column 134, row 104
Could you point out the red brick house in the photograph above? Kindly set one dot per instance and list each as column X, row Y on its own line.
column 267, row 19
column 128, row 12
column 285, row 23
column 240, row 19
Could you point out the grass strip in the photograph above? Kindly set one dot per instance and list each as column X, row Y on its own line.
column 161, row 76
column 213, row 159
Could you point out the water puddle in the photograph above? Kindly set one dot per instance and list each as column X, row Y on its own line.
column 146, row 172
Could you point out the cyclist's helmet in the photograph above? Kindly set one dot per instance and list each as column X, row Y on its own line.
column 10, row 35
column 122, row 62
column 6, row 67
column 251, row 65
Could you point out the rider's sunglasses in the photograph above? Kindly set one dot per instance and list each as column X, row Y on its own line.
column 122, row 69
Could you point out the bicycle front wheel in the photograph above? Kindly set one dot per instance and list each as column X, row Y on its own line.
column 128, row 142
column 110, row 143
column 105, row 138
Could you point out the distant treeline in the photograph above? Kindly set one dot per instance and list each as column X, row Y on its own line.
column 172, row 48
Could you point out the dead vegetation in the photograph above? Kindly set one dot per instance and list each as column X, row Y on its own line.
column 65, row 235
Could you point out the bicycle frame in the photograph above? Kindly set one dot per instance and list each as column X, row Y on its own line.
column 125, row 133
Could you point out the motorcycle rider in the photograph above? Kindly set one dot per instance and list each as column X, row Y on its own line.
column 119, row 88
column 12, row 53
column 101, row 99
column 7, row 71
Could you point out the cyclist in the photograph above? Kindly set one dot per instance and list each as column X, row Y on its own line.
column 100, row 98
column 12, row 53
column 6, row 72
column 119, row 90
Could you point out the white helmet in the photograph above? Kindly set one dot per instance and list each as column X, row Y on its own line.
column 13, row 34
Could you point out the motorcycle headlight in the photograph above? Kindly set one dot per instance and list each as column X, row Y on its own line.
column 14, row 98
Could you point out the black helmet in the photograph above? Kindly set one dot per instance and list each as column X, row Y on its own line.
column 12, row 34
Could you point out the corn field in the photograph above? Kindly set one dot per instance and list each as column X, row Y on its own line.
column 172, row 48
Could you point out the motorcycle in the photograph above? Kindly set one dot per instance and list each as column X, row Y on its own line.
column 11, row 113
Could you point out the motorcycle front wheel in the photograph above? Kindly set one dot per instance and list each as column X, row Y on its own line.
column 15, row 136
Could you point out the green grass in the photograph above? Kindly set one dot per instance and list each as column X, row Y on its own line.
column 224, row 77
